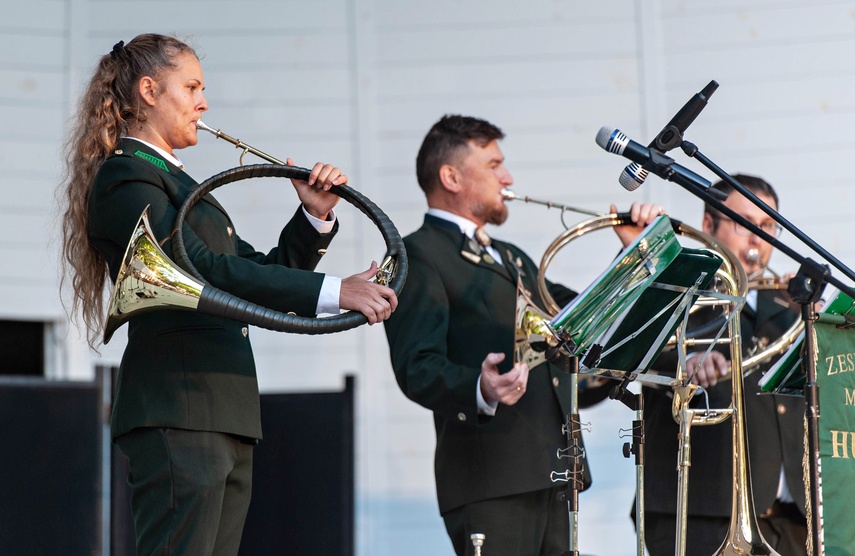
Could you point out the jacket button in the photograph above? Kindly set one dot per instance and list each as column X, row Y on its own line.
column 781, row 409
column 461, row 416
column 244, row 331
column 555, row 381
column 322, row 252
column 230, row 230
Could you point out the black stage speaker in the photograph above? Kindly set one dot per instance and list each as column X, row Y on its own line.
column 50, row 470
column 303, row 476
column 22, row 348
column 51, row 490
column 122, row 535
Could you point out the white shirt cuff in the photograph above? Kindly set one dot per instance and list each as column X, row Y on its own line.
column 322, row 226
column 484, row 408
column 328, row 299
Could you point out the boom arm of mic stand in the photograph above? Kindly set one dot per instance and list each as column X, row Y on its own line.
column 692, row 151
column 664, row 167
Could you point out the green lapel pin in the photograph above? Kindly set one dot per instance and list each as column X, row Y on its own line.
column 159, row 162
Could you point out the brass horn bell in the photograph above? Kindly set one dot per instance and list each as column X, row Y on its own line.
column 148, row 280
column 534, row 337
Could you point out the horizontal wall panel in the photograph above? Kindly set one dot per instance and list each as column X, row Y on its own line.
column 742, row 101
column 277, row 120
column 26, row 194
column 310, row 85
column 44, row 51
column 248, row 19
column 26, row 87
column 24, row 228
column 546, row 112
column 21, row 259
column 324, row 47
column 26, row 159
column 565, row 40
column 42, row 123
column 29, row 300
column 461, row 80
column 36, row 17
column 762, row 63
column 779, row 23
column 468, row 15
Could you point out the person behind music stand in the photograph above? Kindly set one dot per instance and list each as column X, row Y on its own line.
column 774, row 423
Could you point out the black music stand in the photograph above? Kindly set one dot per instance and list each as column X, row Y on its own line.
column 635, row 341
column 618, row 336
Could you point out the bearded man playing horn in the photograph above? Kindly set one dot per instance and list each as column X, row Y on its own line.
column 498, row 427
column 774, row 423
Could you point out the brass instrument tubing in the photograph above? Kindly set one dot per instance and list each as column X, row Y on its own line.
column 511, row 196
column 238, row 144
column 387, row 268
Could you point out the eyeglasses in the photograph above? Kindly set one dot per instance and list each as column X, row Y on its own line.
column 770, row 227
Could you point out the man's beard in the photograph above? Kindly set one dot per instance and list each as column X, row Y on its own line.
column 491, row 215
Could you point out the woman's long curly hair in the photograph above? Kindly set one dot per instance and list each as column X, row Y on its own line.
column 109, row 107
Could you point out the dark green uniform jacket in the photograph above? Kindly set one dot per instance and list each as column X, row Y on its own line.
column 183, row 369
column 456, row 308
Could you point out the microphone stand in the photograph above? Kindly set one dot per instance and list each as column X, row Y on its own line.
column 805, row 289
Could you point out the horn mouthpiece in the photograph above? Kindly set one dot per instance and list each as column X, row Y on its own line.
column 205, row 127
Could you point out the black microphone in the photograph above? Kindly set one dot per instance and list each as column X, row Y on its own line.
column 616, row 142
column 671, row 135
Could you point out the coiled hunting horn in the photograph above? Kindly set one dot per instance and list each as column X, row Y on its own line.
column 149, row 280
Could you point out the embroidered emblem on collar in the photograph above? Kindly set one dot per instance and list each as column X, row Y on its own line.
column 159, row 162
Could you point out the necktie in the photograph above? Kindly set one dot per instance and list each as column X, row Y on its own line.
column 482, row 237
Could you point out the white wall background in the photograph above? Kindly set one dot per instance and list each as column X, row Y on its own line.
column 359, row 82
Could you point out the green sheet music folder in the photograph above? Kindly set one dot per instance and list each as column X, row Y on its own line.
column 640, row 263
column 787, row 375
column 641, row 335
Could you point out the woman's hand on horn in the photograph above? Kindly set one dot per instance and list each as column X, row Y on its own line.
column 315, row 193
column 374, row 301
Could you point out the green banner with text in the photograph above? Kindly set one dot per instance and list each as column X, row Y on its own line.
column 835, row 377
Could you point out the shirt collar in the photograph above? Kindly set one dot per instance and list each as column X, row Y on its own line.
column 751, row 299
column 466, row 226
